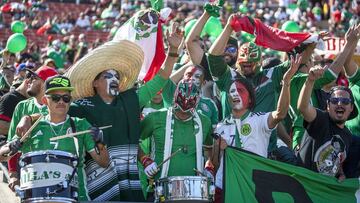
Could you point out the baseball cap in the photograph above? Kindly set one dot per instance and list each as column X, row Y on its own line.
column 44, row 72
column 58, row 82
column 24, row 66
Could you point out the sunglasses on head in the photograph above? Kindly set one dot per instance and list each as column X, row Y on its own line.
column 231, row 50
column 56, row 97
column 336, row 100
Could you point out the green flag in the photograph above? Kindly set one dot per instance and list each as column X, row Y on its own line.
column 251, row 178
column 157, row 4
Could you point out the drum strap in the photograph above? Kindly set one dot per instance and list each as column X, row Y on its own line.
column 169, row 139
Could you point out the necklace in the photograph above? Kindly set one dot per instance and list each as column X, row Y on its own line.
column 52, row 129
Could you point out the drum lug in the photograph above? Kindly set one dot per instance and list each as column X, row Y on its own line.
column 160, row 191
column 212, row 190
column 19, row 192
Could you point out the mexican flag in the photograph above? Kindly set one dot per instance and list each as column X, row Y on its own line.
column 251, row 178
column 144, row 28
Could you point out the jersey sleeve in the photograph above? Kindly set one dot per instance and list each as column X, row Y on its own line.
column 265, row 124
column 215, row 113
column 76, row 110
column 168, row 93
column 219, row 71
column 149, row 90
column 83, row 124
column 355, row 78
column 146, row 126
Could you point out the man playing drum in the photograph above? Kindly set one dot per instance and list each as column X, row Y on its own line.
column 179, row 129
column 57, row 98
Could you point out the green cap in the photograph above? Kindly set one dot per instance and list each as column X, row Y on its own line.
column 58, row 82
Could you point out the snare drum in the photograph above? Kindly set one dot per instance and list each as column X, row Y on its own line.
column 44, row 177
column 184, row 189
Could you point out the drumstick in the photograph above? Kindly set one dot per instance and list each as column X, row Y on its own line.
column 22, row 139
column 77, row 133
column 199, row 172
column 183, row 149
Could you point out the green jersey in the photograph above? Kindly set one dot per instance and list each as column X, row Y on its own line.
column 25, row 107
column 40, row 140
column 206, row 106
column 121, row 181
column 182, row 164
column 297, row 83
column 354, row 124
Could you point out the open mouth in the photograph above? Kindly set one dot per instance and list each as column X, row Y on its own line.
column 113, row 85
column 246, row 65
column 340, row 111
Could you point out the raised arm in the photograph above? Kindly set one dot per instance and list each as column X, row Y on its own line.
column 174, row 38
column 350, row 66
column 149, row 90
column 217, row 49
column 284, row 99
column 193, row 39
column 307, row 110
column 343, row 57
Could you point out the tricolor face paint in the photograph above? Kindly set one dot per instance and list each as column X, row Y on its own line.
column 112, row 80
column 195, row 75
column 239, row 96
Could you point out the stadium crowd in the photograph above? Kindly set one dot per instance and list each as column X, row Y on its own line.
column 256, row 75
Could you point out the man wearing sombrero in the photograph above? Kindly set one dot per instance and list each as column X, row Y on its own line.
column 104, row 79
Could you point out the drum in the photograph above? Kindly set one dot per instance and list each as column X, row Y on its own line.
column 184, row 189
column 48, row 176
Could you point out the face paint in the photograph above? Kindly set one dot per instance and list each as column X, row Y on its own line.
column 193, row 74
column 239, row 96
column 112, row 79
column 187, row 96
column 249, row 52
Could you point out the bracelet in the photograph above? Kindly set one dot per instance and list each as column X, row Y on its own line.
column 173, row 54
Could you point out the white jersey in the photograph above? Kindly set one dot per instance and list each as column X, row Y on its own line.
column 253, row 132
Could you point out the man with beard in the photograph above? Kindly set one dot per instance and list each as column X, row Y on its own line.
column 105, row 82
column 177, row 127
column 247, row 129
column 36, row 90
column 325, row 146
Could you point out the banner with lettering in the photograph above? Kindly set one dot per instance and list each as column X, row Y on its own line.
column 251, row 178
column 335, row 45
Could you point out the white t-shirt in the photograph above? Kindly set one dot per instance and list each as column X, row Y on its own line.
column 253, row 132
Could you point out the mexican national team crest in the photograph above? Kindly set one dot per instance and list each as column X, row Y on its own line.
column 245, row 129
column 145, row 23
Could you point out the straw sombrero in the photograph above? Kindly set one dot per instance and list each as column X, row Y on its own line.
column 123, row 56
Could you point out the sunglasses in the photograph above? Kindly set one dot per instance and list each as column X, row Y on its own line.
column 231, row 50
column 56, row 97
column 30, row 76
column 336, row 100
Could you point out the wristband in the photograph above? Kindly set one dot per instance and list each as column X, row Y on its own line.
column 173, row 54
column 145, row 161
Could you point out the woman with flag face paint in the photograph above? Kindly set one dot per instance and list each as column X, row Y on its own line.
column 173, row 128
column 246, row 129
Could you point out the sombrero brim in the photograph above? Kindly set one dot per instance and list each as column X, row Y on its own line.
column 123, row 56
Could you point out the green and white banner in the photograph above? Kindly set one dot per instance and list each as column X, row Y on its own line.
column 251, row 178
